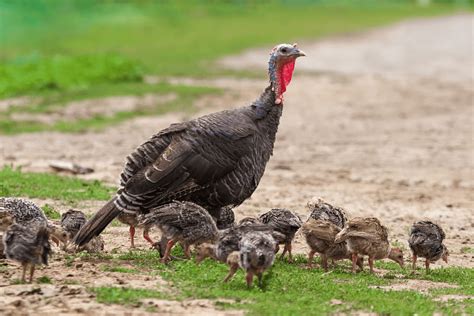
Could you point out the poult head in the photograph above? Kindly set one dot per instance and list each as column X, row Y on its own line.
column 396, row 254
column 204, row 251
column 281, row 66
column 58, row 234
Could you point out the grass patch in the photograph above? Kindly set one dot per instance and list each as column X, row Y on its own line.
column 467, row 250
column 50, row 212
column 50, row 186
column 124, row 296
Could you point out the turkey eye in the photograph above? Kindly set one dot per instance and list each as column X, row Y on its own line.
column 284, row 50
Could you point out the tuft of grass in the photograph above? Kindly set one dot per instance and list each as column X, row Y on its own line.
column 44, row 185
column 44, row 280
column 124, row 296
column 50, row 212
column 467, row 250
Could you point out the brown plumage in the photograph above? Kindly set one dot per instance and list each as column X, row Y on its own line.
column 285, row 222
column 226, row 218
column 367, row 236
column 215, row 161
column 426, row 241
column 183, row 222
column 320, row 235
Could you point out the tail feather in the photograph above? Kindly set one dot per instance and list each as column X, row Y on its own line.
column 97, row 223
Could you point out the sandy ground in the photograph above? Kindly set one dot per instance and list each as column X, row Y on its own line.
column 380, row 123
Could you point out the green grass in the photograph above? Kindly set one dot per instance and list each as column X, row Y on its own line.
column 50, row 186
column 125, row 296
column 291, row 289
column 50, row 212
column 467, row 250
column 119, row 269
column 50, row 100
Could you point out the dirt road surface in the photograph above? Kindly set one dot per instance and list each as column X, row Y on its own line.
column 380, row 123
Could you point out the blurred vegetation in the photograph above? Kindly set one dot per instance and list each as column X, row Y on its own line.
column 181, row 37
column 59, row 51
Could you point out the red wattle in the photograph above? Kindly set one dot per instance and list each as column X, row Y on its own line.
column 286, row 73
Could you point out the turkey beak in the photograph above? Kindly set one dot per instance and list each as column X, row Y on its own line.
column 297, row 52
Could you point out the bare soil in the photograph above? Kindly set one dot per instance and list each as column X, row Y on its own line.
column 380, row 123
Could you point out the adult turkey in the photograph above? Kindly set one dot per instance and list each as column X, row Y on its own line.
column 215, row 161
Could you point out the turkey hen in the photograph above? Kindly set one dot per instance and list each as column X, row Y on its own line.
column 215, row 161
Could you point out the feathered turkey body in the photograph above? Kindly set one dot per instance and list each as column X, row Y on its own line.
column 426, row 241
column 285, row 222
column 215, row 161
column 226, row 218
column 26, row 246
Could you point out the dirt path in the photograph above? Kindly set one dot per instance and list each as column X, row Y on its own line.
column 380, row 123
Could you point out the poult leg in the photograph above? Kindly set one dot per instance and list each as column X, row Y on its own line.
column 324, row 260
column 249, row 278
column 232, row 270
column 285, row 249
column 427, row 265
column 146, row 236
column 354, row 262
column 371, row 264
column 414, row 258
column 260, row 278
column 32, row 271
column 132, row 236
column 187, row 251
column 290, row 256
column 169, row 245
column 310, row 258
column 24, row 265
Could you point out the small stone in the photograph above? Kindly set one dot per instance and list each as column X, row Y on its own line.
column 79, row 265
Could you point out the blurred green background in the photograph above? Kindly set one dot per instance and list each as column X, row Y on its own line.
column 65, row 50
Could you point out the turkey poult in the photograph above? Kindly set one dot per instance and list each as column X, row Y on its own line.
column 215, row 161
column 71, row 222
column 26, row 246
column 320, row 235
column 183, row 222
column 257, row 252
column 321, row 210
column 285, row 222
column 28, row 214
column 367, row 236
column 426, row 241
column 226, row 218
